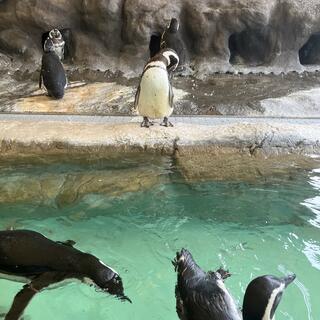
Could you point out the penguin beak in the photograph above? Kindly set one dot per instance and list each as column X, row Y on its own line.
column 289, row 279
column 124, row 298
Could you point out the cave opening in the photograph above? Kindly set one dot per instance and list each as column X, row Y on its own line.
column 155, row 43
column 310, row 52
column 69, row 47
column 249, row 47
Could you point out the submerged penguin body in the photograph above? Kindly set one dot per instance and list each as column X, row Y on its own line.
column 29, row 257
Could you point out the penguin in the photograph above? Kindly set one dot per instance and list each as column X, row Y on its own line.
column 154, row 97
column 64, row 45
column 58, row 42
column 29, row 257
column 52, row 73
column 203, row 296
column 171, row 38
column 263, row 296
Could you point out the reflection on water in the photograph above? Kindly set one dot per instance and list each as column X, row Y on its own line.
column 251, row 228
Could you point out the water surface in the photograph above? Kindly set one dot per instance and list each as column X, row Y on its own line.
column 263, row 227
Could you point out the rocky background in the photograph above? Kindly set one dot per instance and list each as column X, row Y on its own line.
column 220, row 35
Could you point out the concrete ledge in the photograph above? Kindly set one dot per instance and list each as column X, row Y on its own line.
column 269, row 135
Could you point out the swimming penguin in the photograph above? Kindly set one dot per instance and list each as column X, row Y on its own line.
column 203, row 296
column 58, row 42
column 171, row 38
column 29, row 257
column 263, row 296
column 52, row 73
column 154, row 97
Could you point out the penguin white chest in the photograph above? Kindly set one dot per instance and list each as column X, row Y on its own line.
column 154, row 98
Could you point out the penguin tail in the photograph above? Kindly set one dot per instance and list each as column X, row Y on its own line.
column 289, row 279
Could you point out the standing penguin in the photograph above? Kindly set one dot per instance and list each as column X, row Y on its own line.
column 171, row 38
column 203, row 296
column 263, row 296
column 58, row 42
column 154, row 97
column 52, row 73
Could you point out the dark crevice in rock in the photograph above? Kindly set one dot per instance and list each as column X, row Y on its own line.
column 310, row 51
column 154, row 44
column 250, row 47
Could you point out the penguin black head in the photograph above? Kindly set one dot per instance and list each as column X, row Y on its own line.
column 48, row 45
column 108, row 280
column 174, row 25
column 263, row 296
column 55, row 34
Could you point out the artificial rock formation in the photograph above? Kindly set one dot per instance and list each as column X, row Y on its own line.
column 220, row 35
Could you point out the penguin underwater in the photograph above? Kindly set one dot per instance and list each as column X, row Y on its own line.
column 52, row 73
column 28, row 256
column 154, row 97
column 203, row 296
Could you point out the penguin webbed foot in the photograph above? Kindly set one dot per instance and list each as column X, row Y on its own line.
column 146, row 123
column 166, row 123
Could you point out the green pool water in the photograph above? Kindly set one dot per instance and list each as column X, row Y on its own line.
column 252, row 228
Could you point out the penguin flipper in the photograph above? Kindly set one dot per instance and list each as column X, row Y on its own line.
column 171, row 95
column 24, row 296
column 40, row 79
column 69, row 243
column 180, row 309
column 136, row 99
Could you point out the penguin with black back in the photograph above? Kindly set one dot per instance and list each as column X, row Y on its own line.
column 52, row 73
column 172, row 38
column 263, row 296
column 203, row 296
column 29, row 257
column 154, row 97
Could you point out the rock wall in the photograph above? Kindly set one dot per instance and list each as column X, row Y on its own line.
column 220, row 35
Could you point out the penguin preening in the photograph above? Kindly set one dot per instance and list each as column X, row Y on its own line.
column 52, row 73
column 203, row 296
column 154, row 97
column 58, row 42
column 28, row 256
column 171, row 38
column 63, row 40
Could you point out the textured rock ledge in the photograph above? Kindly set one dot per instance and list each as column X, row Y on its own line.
column 234, row 151
column 259, row 35
column 271, row 137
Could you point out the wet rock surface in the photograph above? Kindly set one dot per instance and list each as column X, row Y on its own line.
column 55, row 186
column 222, row 35
column 48, row 180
